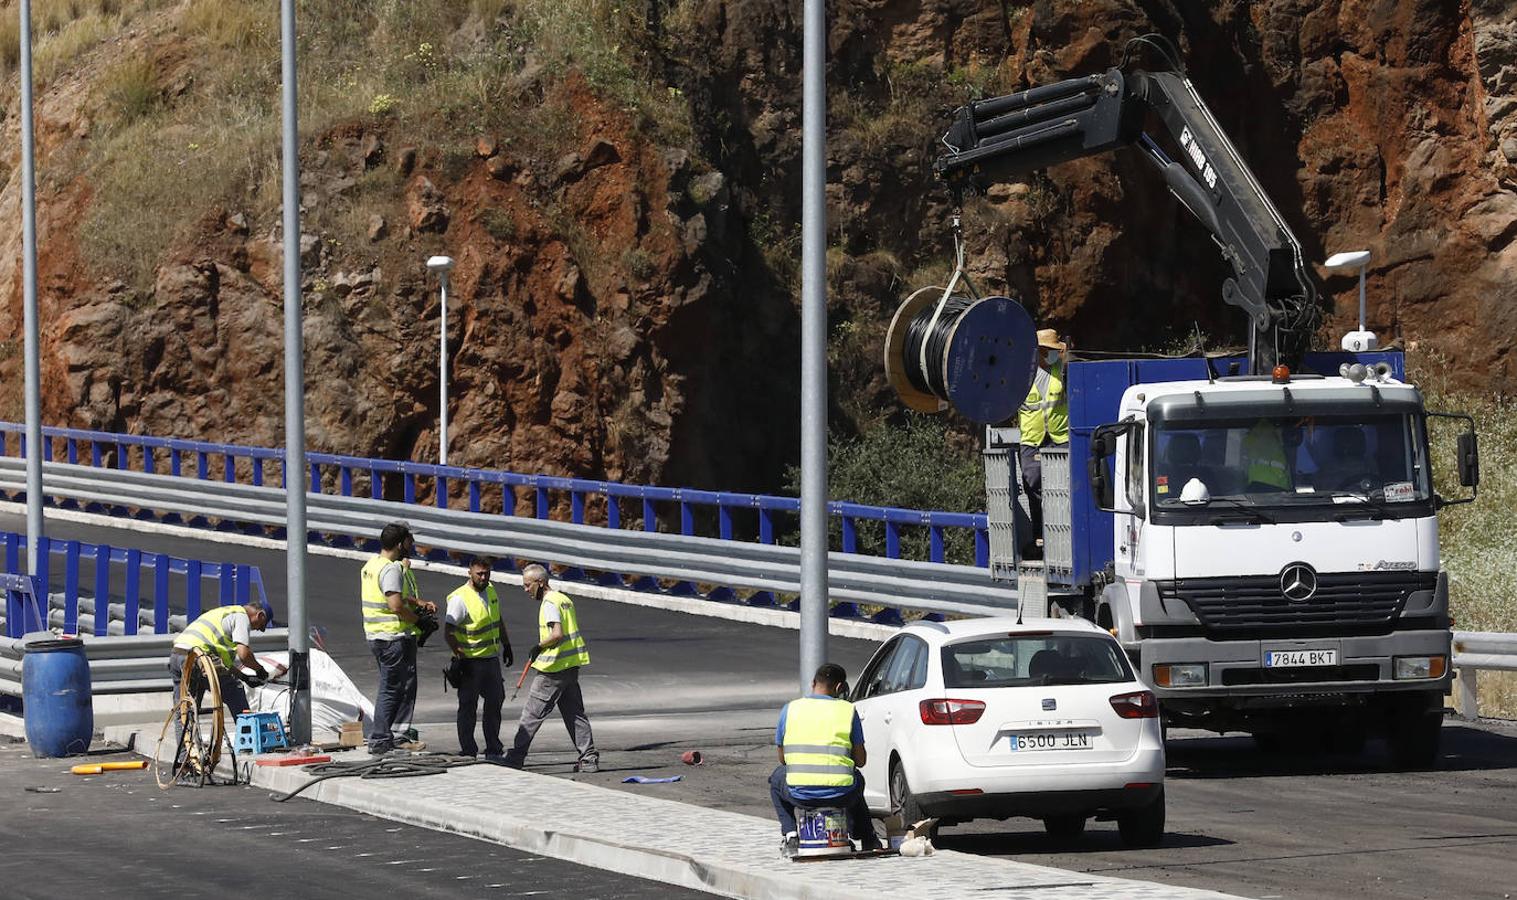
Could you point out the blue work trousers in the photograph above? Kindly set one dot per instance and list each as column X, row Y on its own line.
column 396, row 698
column 860, row 826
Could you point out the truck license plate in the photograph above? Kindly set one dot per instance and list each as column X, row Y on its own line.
column 1050, row 740
column 1284, row 659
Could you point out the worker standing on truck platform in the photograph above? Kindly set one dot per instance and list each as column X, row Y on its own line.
column 477, row 635
column 821, row 746
column 1044, row 421
column 389, row 624
column 224, row 634
column 558, row 656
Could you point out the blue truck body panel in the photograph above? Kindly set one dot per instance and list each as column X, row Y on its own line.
column 1095, row 393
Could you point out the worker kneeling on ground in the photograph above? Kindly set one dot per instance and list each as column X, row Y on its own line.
column 821, row 746
column 224, row 634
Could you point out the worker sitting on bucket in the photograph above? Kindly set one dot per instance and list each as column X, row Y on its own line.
column 223, row 634
column 821, row 746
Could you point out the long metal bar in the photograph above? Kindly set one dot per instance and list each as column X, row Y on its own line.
column 442, row 374
column 32, row 339
column 767, row 567
column 813, row 637
column 294, row 398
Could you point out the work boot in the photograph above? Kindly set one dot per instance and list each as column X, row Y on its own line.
column 411, row 746
column 790, row 845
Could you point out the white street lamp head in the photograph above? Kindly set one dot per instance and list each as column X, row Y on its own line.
column 440, row 263
column 1363, row 339
column 1348, row 259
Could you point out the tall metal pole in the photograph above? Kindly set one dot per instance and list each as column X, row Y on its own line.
column 32, row 339
column 814, row 344
column 294, row 399
column 442, row 372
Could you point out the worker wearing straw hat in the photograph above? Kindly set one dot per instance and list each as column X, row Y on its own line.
column 1044, row 421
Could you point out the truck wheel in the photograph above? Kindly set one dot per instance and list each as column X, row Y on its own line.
column 1144, row 826
column 1414, row 741
column 1064, row 827
column 901, row 798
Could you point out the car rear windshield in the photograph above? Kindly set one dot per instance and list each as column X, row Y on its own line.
column 1020, row 660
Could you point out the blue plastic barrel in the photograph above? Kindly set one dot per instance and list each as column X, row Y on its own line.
column 56, row 698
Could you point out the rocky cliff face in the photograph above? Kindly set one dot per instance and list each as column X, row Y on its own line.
column 627, row 308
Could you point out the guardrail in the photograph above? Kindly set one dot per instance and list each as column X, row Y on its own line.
column 690, row 512
column 123, row 665
column 853, row 578
column 150, row 585
column 1476, row 650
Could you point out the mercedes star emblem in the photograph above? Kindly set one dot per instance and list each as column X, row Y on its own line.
column 1298, row 582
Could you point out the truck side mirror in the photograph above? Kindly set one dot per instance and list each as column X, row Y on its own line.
column 1469, row 460
column 1103, row 446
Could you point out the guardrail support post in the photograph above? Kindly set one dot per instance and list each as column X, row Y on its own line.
column 1469, row 694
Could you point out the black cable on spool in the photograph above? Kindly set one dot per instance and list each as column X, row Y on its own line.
column 930, row 381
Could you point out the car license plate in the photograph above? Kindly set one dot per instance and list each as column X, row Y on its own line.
column 1284, row 659
column 1050, row 740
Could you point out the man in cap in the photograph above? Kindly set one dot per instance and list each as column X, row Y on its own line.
column 1044, row 421
column 224, row 634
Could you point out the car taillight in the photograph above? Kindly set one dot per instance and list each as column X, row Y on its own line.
column 1136, row 705
column 951, row 712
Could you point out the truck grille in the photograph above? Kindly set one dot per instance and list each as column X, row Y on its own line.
column 1253, row 606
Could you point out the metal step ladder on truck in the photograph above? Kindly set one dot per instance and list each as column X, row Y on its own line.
column 1259, row 532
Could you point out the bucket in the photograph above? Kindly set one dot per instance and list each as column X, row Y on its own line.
column 55, row 696
column 822, row 832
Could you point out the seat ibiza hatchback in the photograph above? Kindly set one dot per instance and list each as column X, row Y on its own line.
column 991, row 718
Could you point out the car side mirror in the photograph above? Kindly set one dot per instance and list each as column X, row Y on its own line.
column 1469, row 460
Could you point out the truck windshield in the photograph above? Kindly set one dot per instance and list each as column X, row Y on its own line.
column 1290, row 460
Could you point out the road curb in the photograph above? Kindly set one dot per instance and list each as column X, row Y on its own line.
column 721, row 852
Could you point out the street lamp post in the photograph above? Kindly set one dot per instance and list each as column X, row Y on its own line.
column 442, row 265
column 32, row 376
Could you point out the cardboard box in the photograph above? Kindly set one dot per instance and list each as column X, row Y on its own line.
column 350, row 734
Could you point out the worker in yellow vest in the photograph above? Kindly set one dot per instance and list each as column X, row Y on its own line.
column 1044, row 421
column 821, row 746
column 223, row 633
column 390, row 611
column 1267, row 468
column 558, row 656
column 477, row 635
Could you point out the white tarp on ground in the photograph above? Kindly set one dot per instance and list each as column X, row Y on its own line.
column 334, row 698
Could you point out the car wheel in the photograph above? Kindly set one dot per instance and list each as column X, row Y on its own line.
column 1144, row 826
column 901, row 798
column 1064, row 827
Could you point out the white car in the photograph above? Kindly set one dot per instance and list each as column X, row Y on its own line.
column 988, row 718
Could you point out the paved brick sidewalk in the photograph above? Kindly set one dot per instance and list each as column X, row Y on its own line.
column 722, row 852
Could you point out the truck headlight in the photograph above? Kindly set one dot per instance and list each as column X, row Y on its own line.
column 1410, row 667
column 1180, row 675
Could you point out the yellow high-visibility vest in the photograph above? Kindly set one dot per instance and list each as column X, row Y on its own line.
column 569, row 652
column 1045, row 412
column 209, row 634
column 480, row 637
column 818, row 743
column 377, row 617
column 1264, row 452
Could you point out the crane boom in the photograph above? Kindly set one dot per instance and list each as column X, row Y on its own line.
column 1004, row 137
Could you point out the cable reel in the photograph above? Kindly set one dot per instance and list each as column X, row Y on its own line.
column 977, row 355
column 196, row 751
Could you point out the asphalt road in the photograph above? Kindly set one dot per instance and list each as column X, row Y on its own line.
column 118, row 835
column 1239, row 820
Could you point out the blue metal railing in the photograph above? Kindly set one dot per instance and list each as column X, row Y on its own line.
column 728, row 516
column 168, row 584
column 25, row 608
